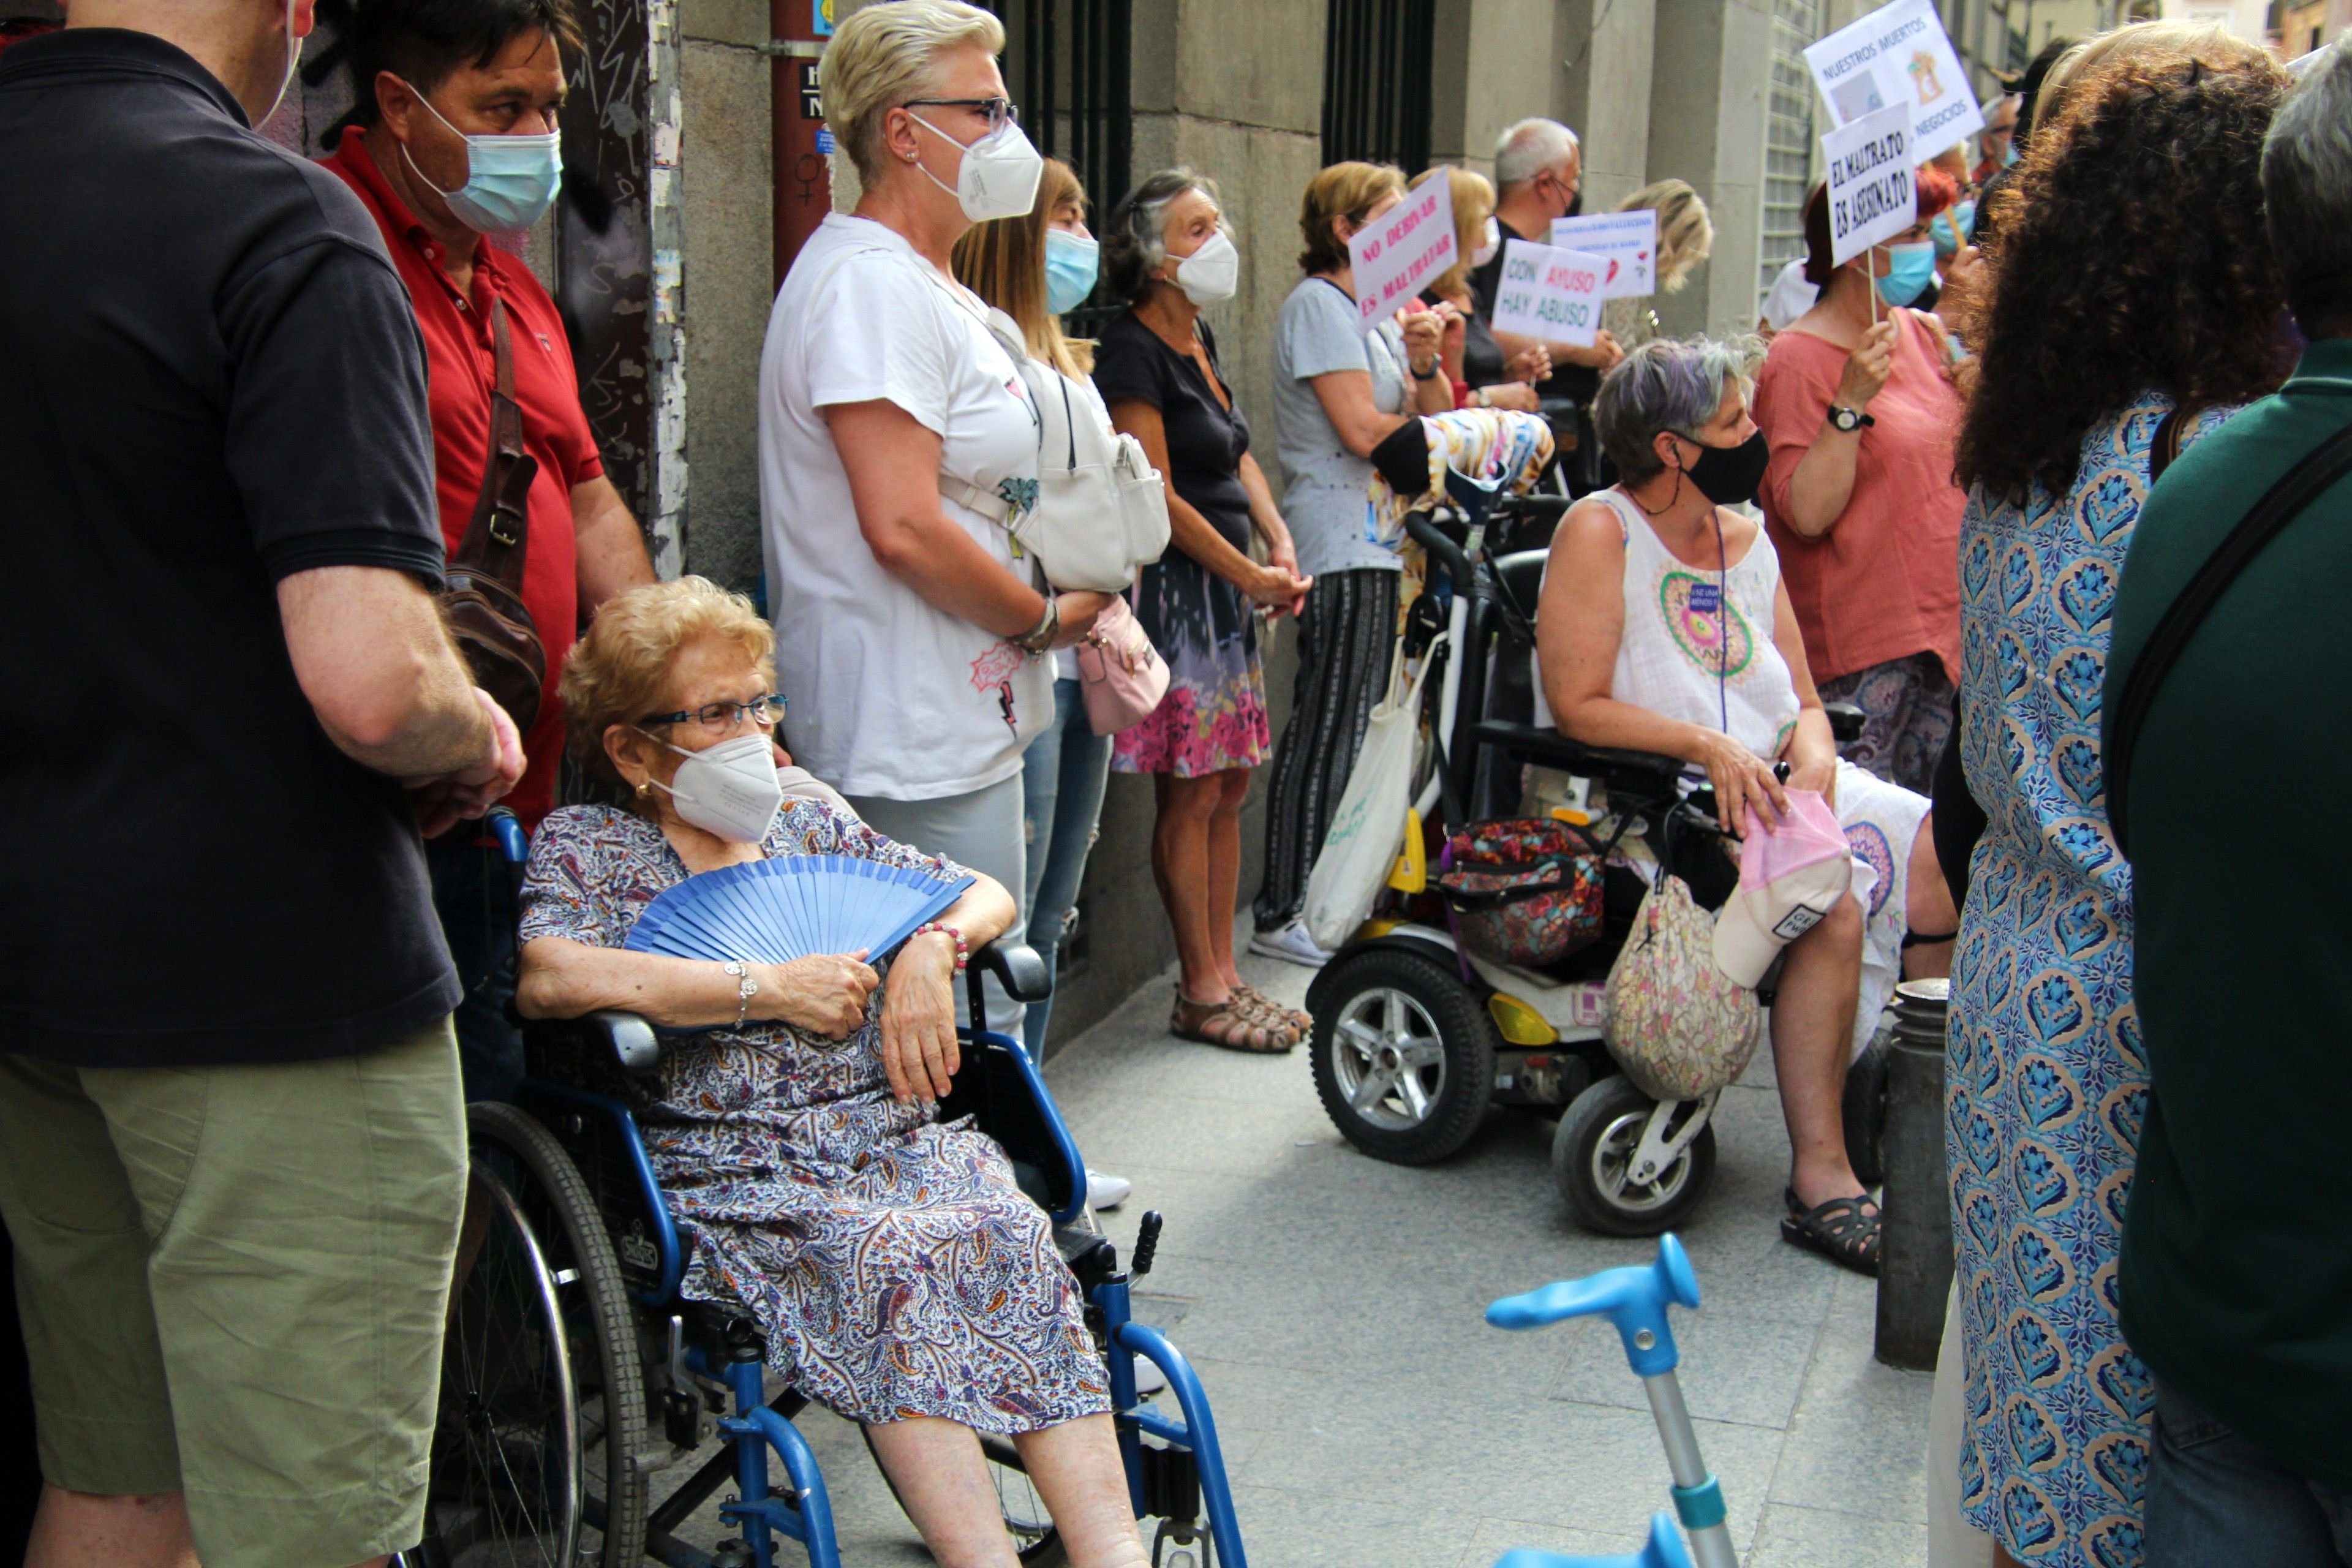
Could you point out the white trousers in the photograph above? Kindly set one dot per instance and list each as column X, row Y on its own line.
column 981, row 830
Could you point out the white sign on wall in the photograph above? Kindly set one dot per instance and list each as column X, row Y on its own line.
column 1627, row 241
column 1898, row 55
column 1871, row 198
column 1549, row 293
column 1401, row 252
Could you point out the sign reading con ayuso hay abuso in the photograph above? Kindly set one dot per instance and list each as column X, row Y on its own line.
column 1627, row 241
column 1871, row 196
column 1898, row 53
column 1402, row 253
column 1549, row 293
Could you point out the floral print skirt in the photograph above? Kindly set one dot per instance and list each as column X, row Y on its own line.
column 1213, row 716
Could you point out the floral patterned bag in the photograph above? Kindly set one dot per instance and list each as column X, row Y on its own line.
column 1679, row 1025
column 1524, row 892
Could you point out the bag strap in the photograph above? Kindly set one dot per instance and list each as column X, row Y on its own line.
column 498, row 535
column 2312, row 475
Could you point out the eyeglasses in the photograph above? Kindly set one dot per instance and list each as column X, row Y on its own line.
column 762, row 710
column 1001, row 111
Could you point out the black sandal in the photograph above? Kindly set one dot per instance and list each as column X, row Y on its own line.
column 1839, row 1230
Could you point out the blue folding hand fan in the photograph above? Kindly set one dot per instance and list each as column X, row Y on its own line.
column 773, row 912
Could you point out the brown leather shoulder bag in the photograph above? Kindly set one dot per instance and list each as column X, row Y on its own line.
column 482, row 602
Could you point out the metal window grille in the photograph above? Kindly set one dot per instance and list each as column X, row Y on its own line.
column 1066, row 63
column 1788, row 138
column 1376, row 72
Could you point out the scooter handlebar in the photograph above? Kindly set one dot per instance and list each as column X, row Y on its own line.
column 1634, row 1299
column 1662, row 1549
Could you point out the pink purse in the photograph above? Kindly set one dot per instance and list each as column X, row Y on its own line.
column 1121, row 675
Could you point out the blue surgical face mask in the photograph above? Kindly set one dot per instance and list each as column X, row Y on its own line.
column 1952, row 229
column 2008, row 152
column 1069, row 270
column 1911, row 267
column 511, row 181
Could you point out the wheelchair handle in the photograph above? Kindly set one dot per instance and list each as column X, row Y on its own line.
column 1634, row 1298
column 500, row 823
column 1662, row 1549
column 1444, row 550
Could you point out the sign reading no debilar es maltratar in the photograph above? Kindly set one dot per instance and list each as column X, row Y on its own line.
column 1871, row 195
column 1400, row 253
column 1628, row 241
column 1899, row 54
column 1549, row 293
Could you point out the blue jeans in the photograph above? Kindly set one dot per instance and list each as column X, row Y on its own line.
column 474, row 894
column 2217, row 1500
column 1063, row 774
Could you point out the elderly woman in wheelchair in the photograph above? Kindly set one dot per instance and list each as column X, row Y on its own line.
column 1664, row 628
column 899, row 1275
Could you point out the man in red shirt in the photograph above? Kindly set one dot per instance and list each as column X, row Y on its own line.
column 456, row 138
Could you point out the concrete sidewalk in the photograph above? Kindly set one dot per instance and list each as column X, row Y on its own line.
column 1333, row 1304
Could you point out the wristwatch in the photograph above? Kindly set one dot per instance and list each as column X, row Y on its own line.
column 1420, row 375
column 1848, row 420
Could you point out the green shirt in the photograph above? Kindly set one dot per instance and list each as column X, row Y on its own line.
column 2236, row 1279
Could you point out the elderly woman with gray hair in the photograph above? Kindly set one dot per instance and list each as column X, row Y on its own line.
column 1665, row 626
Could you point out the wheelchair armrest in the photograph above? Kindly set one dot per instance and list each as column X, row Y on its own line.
column 628, row 1039
column 1644, row 774
column 1845, row 721
column 1017, row 968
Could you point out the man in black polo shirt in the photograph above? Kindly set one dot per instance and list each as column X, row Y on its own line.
column 2236, row 1275
column 1540, row 176
column 231, row 1148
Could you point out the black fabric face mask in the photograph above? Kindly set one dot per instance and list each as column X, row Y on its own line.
column 1575, row 204
column 1731, row 476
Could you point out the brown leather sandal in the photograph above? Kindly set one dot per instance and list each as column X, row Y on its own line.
column 1230, row 1024
column 1273, row 1011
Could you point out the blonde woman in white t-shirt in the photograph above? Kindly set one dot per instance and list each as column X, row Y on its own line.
column 897, row 439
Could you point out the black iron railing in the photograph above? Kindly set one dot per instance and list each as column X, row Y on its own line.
column 1376, row 74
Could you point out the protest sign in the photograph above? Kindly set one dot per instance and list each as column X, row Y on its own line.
column 1871, row 196
column 1898, row 53
column 1627, row 241
column 1549, row 293
column 1400, row 253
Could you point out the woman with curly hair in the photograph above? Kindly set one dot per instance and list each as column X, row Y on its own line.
column 2134, row 305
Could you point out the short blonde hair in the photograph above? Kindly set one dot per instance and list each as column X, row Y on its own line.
column 620, row 671
column 1474, row 204
column 882, row 56
column 1343, row 190
column 1685, row 232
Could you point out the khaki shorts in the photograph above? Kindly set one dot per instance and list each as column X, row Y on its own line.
column 233, row 1282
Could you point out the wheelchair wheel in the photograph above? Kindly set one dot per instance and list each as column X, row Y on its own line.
column 1403, row 1056
column 1036, row 1542
column 504, row 1479
column 1590, row 1153
column 599, row 1323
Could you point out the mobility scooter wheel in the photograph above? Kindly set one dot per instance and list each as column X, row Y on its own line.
column 1403, row 1056
column 1595, row 1143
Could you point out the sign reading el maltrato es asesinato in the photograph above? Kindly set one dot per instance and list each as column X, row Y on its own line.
column 1871, row 195
column 1899, row 54
column 1549, row 293
column 1401, row 252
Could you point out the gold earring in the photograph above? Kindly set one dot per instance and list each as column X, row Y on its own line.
column 646, row 790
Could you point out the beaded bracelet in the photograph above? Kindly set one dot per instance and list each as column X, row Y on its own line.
column 963, row 950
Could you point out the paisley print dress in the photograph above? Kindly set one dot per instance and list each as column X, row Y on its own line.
column 893, row 1264
column 2046, row 1081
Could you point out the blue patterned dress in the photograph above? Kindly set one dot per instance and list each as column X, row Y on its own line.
column 2047, row 1080
column 893, row 1264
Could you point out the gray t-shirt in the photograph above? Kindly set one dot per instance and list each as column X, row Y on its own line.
column 1325, row 505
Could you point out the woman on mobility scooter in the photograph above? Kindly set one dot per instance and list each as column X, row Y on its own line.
column 898, row 1273
column 1664, row 626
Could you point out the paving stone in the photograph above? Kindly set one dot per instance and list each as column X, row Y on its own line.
column 1796, row 1537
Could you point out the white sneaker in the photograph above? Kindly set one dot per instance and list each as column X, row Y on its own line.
column 1106, row 1192
column 1292, row 944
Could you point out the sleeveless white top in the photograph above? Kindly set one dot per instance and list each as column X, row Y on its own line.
column 1683, row 656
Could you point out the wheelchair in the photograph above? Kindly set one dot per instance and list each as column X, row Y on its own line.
column 574, row 1371
column 1415, row 1035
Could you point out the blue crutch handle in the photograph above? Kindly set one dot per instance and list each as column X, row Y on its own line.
column 1634, row 1299
column 1662, row 1549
